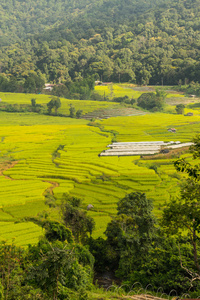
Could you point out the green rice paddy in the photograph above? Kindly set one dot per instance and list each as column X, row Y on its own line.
column 40, row 154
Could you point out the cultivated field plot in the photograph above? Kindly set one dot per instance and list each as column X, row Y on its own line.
column 21, row 234
column 154, row 127
column 133, row 91
column 118, row 90
column 85, row 106
column 42, row 154
column 114, row 112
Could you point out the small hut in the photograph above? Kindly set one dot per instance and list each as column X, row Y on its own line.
column 172, row 130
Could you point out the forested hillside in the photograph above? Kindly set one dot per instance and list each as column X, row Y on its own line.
column 138, row 41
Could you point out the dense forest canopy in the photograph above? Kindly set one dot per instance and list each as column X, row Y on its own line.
column 30, row 17
column 156, row 42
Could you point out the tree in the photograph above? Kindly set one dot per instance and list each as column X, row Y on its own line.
column 130, row 233
column 57, row 231
column 33, row 102
column 76, row 219
column 72, row 111
column 1, row 292
column 55, row 267
column 52, row 268
column 50, row 105
column 60, row 91
column 152, row 101
column 162, row 267
column 183, row 214
column 54, row 103
column 57, row 104
column 33, row 83
column 180, row 109
column 11, row 271
column 79, row 113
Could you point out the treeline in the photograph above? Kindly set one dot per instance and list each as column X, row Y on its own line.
column 30, row 83
column 138, row 247
column 192, row 89
column 144, row 46
column 81, row 88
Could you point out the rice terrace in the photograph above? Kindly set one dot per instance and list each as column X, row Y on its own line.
column 44, row 158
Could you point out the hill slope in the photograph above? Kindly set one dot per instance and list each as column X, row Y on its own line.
column 144, row 42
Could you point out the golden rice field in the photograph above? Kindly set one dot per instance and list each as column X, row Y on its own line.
column 130, row 90
column 116, row 90
column 40, row 153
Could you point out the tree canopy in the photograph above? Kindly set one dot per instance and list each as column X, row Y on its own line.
column 144, row 42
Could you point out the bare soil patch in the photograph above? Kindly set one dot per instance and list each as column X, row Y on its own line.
column 175, row 153
column 115, row 112
column 52, row 187
column 6, row 166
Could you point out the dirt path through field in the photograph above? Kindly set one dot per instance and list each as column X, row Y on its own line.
column 6, row 166
column 52, row 187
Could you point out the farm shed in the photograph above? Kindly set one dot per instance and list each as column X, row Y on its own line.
column 172, row 130
column 49, row 87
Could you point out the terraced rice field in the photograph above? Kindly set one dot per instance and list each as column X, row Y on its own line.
column 85, row 106
column 40, row 155
column 132, row 91
column 154, row 127
column 118, row 90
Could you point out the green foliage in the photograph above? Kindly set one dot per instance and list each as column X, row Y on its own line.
column 13, row 269
column 154, row 42
column 183, row 214
column 54, row 103
column 162, row 267
column 33, row 102
column 195, row 148
column 57, row 231
column 180, row 109
column 11, row 259
column 81, row 88
column 60, row 91
column 124, row 99
column 99, row 249
column 51, row 269
column 1, row 292
column 57, row 266
column 152, row 101
column 76, row 219
column 72, row 111
column 193, row 88
column 33, row 83
column 130, row 233
column 79, row 113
